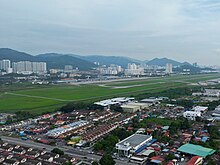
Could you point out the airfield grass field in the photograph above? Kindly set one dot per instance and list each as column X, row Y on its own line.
column 39, row 99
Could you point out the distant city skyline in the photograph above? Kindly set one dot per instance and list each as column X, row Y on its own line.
column 183, row 30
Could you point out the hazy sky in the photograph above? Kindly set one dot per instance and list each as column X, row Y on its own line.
column 185, row 30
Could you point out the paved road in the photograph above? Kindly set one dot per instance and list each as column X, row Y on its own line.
column 71, row 152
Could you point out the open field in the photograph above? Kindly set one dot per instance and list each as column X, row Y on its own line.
column 38, row 99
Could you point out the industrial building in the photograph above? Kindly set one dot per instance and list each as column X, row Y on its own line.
column 130, row 108
column 114, row 101
column 151, row 101
column 133, row 107
column 196, row 150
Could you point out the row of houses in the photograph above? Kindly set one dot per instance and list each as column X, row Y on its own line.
column 27, row 122
column 106, row 117
column 58, row 132
column 98, row 132
column 11, row 154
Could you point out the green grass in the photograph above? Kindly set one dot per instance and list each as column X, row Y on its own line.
column 42, row 99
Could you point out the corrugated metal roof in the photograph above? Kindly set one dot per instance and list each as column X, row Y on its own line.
column 196, row 150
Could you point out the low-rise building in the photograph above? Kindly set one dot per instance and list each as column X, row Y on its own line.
column 130, row 108
column 133, row 107
column 196, row 150
column 191, row 115
column 66, row 128
column 216, row 113
column 114, row 101
column 151, row 101
column 201, row 109
column 98, row 132
column 195, row 160
column 21, row 155
column 132, row 144
column 208, row 93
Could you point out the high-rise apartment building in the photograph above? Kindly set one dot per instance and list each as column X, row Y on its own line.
column 29, row 67
column 5, row 64
column 134, row 69
column 39, row 67
column 169, row 68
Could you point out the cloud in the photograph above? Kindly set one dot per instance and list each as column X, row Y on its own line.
column 180, row 29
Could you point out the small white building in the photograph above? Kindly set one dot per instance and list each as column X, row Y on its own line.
column 201, row 109
column 191, row 115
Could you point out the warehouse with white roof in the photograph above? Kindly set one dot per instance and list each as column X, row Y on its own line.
column 132, row 144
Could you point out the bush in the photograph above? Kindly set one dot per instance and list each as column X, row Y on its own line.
column 107, row 160
column 57, row 151
column 107, row 144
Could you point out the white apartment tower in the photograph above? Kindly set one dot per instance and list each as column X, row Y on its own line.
column 5, row 64
column 169, row 68
column 132, row 66
column 39, row 67
column 134, row 69
column 29, row 67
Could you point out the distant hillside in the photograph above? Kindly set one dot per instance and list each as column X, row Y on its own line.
column 59, row 61
column 14, row 56
column 53, row 60
column 164, row 61
column 191, row 69
column 108, row 60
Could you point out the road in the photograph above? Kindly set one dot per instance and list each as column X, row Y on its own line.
column 71, row 152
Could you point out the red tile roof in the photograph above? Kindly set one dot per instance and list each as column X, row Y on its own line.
column 193, row 160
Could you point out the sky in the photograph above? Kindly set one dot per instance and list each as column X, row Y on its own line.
column 184, row 30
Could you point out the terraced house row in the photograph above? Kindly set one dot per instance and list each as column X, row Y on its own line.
column 11, row 154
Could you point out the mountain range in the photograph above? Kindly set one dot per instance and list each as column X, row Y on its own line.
column 55, row 60
column 164, row 61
